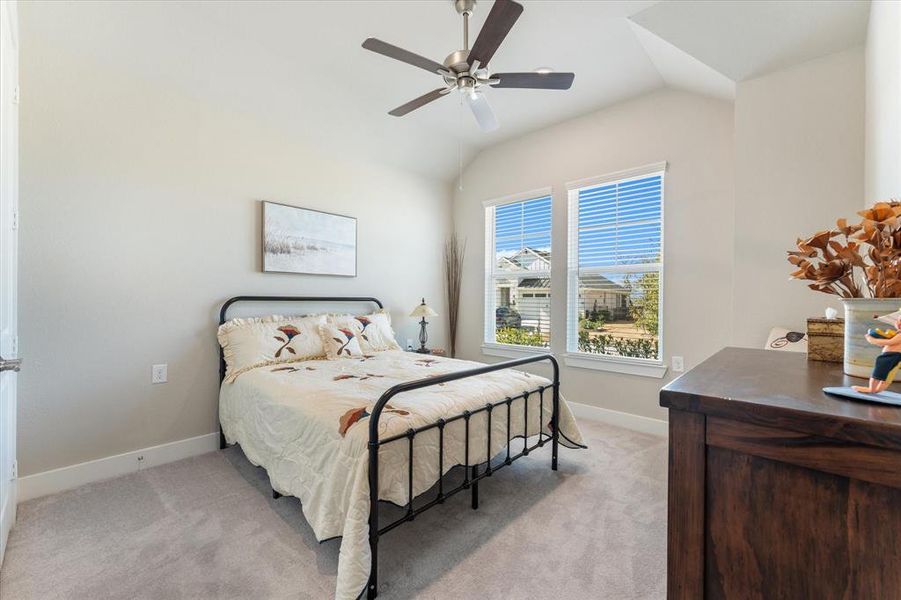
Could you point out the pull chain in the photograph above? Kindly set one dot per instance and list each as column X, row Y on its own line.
column 460, row 146
column 460, row 180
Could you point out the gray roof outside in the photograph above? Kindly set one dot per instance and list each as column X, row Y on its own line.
column 591, row 282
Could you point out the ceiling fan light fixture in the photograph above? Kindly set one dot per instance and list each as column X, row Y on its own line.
column 544, row 70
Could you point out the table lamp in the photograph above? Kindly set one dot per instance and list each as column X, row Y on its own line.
column 423, row 310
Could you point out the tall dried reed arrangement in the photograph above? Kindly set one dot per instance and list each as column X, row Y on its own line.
column 454, row 250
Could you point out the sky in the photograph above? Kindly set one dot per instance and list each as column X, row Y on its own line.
column 619, row 223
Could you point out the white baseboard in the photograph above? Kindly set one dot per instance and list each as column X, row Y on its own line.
column 620, row 419
column 66, row 478
column 7, row 518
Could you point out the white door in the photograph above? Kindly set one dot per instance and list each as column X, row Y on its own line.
column 9, row 210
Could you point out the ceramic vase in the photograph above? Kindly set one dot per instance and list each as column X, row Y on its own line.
column 861, row 315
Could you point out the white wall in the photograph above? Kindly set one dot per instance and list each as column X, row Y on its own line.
column 140, row 215
column 692, row 133
column 799, row 148
column 883, row 85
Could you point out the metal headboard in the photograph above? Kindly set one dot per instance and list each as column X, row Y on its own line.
column 223, row 312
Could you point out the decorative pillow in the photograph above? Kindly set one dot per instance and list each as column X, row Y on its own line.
column 249, row 343
column 339, row 342
column 373, row 331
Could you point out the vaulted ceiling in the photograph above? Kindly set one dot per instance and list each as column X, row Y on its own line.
column 299, row 66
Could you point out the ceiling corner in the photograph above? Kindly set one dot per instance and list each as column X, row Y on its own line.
column 681, row 70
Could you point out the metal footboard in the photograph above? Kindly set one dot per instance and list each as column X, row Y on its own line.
column 472, row 476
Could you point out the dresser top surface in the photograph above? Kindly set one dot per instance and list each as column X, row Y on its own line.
column 750, row 384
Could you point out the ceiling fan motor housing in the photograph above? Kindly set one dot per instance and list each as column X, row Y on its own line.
column 457, row 61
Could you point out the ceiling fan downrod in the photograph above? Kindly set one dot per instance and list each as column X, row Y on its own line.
column 465, row 8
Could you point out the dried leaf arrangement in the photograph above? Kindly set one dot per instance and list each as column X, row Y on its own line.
column 454, row 250
column 855, row 261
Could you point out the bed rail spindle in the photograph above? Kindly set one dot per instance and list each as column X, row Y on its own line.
column 489, row 407
column 541, row 416
column 466, row 415
column 410, row 435
column 555, row 419
column 373, row 586
column 525, row 431
column 509, row 409
column 440, row 461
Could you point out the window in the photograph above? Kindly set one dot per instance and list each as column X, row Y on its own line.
column 518, row 270
column 615, row 266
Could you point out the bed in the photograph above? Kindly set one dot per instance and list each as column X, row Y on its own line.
column 344, row 435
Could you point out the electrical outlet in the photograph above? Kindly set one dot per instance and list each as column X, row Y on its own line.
column 159, row 373
column 409, row 343
column 678, row 364
column 14, row 472
column 140, row 461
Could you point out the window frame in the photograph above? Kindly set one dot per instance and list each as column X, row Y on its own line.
column 621, row 364
column 490, row 345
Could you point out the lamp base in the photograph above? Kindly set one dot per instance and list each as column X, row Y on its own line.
column 422, row 351
column 423, row 337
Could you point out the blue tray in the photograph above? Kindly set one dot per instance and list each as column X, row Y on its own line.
column 892, row 398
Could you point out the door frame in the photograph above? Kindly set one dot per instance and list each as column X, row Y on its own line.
column 9, row 210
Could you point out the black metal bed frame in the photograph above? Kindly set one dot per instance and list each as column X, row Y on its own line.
column 472, row 475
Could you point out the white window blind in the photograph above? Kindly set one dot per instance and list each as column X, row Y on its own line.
column 615, row 266
column 518, row 272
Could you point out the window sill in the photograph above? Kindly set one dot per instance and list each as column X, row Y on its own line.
column 629, row 366
column 512, row 351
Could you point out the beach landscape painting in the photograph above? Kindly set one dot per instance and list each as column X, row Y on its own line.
column 300, row 240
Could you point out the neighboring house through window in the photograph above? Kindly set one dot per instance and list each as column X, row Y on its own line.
column 518, row 270
column 615, row 266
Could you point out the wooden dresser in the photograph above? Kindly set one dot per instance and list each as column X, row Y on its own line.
column 777, row 490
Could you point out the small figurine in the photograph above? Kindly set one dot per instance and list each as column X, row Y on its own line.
column 881, row 334
column 887, row 362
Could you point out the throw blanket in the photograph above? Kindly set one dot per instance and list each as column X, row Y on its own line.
column 307, row 423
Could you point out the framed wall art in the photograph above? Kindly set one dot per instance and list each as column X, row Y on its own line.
column 301, row 240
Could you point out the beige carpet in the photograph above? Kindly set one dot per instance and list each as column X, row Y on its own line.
column 207, row 527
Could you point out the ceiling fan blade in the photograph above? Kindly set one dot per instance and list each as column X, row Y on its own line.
column 535, row 81
column 497, row 25
column 402, row 55
column 418, row 102
column 482, row 111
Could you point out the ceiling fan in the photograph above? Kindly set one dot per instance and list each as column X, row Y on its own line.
column 467, row 70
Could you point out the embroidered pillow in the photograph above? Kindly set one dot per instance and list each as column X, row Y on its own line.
column 339, row 342
column 373, row 331
column 250, row 343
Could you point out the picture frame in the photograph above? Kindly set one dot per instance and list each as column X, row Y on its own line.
column 307, row 241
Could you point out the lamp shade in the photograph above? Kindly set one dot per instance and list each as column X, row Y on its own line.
column 423, row 310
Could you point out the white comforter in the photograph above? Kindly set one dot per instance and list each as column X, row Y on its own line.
column 307, row 424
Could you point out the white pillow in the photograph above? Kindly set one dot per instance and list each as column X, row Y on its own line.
column 339, row 341
column 249, row 343
column 373, row 331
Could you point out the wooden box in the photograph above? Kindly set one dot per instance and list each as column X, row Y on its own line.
column 826, row 339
